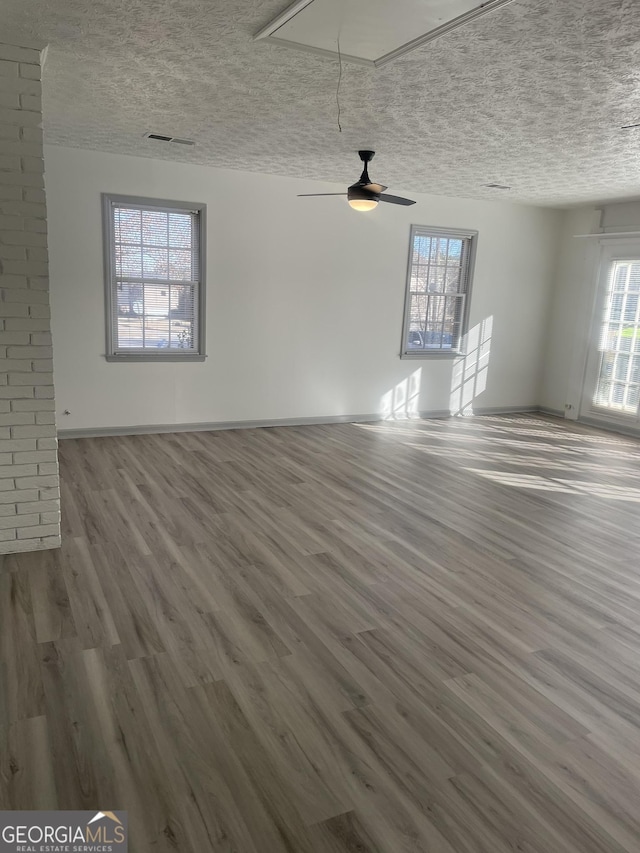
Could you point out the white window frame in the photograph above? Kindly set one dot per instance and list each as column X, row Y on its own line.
column 464, row 289
column 166, row 206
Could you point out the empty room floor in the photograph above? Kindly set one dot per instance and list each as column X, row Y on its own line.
column 420, row 636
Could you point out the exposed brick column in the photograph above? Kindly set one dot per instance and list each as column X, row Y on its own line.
column 29, row 485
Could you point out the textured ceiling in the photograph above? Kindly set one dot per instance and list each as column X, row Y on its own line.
column 531, row 95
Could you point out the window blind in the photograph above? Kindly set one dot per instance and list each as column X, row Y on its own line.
column 156, row 280
column 438, row 282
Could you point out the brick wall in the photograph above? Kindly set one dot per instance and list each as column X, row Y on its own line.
column 29, row 487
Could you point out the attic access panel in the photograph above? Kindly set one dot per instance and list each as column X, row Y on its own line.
column 372, row 32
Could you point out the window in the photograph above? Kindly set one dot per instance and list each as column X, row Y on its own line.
column 438, row 288
column 618, row 377
column 154, row 263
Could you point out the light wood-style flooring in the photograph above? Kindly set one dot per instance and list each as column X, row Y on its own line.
column 421, row 636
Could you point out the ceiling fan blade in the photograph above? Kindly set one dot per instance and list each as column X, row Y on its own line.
column 316, row 195
column 375, row 188
column 396, row 199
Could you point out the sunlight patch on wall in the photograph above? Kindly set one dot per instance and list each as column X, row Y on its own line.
column 402, row 401
column 471, row 370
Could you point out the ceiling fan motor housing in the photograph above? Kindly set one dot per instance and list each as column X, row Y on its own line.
column 360, row 193
column 364, row 194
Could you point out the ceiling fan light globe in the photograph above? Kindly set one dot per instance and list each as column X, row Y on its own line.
column 361, row 198
column 363, row 204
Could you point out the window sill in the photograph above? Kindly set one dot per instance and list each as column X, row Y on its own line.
column 151, row 358
column 437, row 354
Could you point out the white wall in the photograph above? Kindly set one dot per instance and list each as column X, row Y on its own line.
column 304, row 299
column 571, row 311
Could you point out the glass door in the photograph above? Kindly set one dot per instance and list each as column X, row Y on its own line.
column 612, row 382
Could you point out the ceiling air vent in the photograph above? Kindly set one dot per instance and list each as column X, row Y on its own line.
column 175, row 139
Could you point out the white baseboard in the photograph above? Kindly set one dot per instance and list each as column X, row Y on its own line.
column 556, row 413
column 149, row 429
